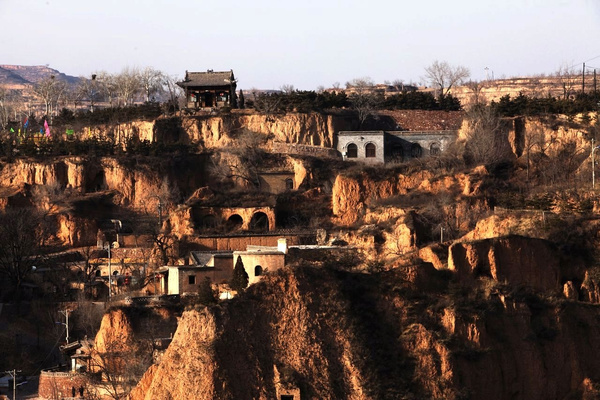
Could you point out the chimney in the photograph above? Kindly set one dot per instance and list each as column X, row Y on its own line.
column 282, row 245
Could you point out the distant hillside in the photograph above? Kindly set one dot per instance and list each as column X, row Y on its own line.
column 19, row 76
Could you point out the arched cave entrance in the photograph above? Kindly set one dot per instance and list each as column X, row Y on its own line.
column 235, row 222
column 258, row 270
column 416, row 151
column 259, row 222
column 207, row 221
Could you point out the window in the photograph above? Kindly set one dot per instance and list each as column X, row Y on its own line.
column 192, row 279
column 289, row 184
column 352, row 151
column 258, row 270
column 370, row 150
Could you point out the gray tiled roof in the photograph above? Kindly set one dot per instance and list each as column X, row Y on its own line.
column 209, row 78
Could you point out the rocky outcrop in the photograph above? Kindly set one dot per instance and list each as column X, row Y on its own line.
column 516, row 260
column 350, row 194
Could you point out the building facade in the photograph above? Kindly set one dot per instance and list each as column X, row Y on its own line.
column 209, row 89
column 377, row 147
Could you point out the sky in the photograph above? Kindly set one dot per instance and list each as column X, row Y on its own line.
column 304, row 43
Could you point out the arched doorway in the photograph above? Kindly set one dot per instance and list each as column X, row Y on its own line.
column 259, row 222
column 258, row 270
column 235, row 222
column 416, row 151
column 352, row 151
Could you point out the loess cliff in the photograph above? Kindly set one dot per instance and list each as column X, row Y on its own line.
column 406, row 333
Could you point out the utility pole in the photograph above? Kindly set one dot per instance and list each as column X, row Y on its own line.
column 13, row 374
column 593, row 165
column 583, row 79
column 66, row 314
column 109, row 272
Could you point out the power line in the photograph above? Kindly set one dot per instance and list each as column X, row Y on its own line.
column 591, row 59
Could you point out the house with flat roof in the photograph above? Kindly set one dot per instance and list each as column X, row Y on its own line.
column 378, row 147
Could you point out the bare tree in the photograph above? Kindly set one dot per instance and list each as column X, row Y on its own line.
column 23, row 235
column 121, row 363
column 175, row 92
column 487, row 140
column 152, row 82
column 287, row 88
column 108, row 86
column 362, row 98
column 89, row 89
column 567, row 79
column 50, row 91
column 128, row 84
column 245, row 161
column 5, row 108
column 443, row 76
column 476, row 97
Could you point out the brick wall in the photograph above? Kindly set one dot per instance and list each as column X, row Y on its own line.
column 59, row 384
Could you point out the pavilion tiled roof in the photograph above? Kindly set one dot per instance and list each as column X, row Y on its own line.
column 208, row 78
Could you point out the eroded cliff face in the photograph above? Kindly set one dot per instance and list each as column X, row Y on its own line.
column 353, row 195
column 350, row 194
column 396, row 334
column 212, row 132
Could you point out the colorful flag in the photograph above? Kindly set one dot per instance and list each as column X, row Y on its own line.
column 47, row 128
column 70, row 132
column 12, row 130
column 26, row 123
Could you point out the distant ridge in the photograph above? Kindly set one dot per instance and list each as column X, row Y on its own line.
column 22, row 75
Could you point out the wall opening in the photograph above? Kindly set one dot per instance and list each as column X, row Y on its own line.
column 259, row 222
column 234, row 222
column 192, row 279
column 435, row 149
column 416, row 151
column 370, row 150
column 289, row 184
column 258, row 270
column 352, row 151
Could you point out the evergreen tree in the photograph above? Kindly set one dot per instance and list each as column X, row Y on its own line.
column 205, row 292
column 241, row 100
column 239, row 281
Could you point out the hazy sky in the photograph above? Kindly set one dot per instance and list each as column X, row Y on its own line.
column 305, row 43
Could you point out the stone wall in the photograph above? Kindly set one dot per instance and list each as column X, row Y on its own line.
column 304, row 150
column 361, row 140
column 240, row 243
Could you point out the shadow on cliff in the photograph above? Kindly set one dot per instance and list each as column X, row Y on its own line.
column 332, row 334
